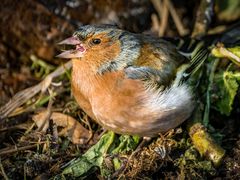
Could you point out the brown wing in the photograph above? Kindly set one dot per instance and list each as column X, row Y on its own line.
column 160, row 57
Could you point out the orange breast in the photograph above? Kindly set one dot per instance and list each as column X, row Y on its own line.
column 111, row 99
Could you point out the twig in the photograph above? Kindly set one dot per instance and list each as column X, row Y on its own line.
column 158, row 6
column 3, row 171
column 226, row 53
column 155, row 22
column 16, row 149
column 86, row 121
column 44, row 126
column 163, row 9
column 23, row 96
column 163, row 12
column 181, row 30
column 203, row 18
column 164, row 18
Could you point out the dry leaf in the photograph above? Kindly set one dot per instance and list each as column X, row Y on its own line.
column 71, row 127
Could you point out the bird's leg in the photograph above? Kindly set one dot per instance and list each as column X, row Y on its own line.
column 145, row 141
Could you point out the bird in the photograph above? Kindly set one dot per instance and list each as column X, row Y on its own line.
column 130, row 83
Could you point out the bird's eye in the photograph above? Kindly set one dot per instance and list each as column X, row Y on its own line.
column 96, row 41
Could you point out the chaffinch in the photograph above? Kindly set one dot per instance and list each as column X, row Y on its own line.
column 127, row 82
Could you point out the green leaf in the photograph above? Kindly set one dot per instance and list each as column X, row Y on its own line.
column 92, row 158
column 227, row 84
column 127, row 143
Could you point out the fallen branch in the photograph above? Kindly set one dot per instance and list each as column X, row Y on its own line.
column 205, row 144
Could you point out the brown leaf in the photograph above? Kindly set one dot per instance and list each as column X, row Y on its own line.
column 71, row 127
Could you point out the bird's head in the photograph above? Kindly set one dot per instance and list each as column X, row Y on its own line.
column 106, row 46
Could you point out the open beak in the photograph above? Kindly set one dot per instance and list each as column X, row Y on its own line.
column 78, row 52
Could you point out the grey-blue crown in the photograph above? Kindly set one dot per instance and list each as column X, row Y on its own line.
column 87, row 30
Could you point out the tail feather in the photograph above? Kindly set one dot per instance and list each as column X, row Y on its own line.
column 198, row 56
